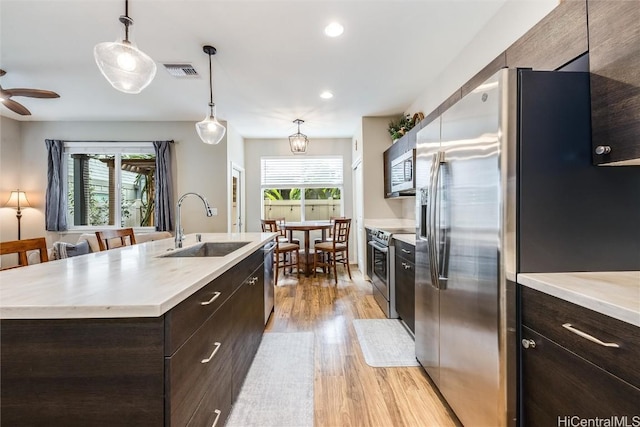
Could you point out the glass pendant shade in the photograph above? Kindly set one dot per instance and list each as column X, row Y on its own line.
column 126, row 67
column 298, row 141
column 210, row 130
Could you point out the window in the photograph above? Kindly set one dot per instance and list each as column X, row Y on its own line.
column 110, row 184
column 302, row 188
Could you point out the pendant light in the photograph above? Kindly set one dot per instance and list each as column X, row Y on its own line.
column 210, row 130
column 126, row 67
column 298, row 141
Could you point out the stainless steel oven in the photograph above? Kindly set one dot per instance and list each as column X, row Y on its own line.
column 382, row 266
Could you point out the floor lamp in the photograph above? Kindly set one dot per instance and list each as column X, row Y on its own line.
column 18, row 199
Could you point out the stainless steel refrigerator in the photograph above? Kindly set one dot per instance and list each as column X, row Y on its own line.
column 505, row 184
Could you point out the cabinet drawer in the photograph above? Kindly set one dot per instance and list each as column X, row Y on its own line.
column 546, row 315
column 186, row 317
column 188, row 374
column 215, row 406
column 405, row 250
column 556, row 383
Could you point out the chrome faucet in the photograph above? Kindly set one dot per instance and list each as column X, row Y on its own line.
column 179, row 230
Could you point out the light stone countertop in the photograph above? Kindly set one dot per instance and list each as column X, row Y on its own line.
column 407, row 238
column 390, row 224
column 132, row 281
column 615, row 294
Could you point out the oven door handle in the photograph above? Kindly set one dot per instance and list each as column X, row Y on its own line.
column 378, row 247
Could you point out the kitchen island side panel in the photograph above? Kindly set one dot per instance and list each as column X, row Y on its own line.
column 92, row 372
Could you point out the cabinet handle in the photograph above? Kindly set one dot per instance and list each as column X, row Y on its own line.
column 406, row 266
column 603, row 149
column 217, row 412
column 585, row 335
column 215, row 350
column 528, row 343
column 215, row 297
column 406, row 251
column 253, row 281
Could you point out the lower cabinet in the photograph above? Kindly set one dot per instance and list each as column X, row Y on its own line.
column 204, row 376
column 566, row 377
column 405, row 280
column 184, row 368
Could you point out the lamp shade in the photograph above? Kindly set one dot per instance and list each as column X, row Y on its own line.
column 126, row 67
column 210, row 130
column 298, row 143
column 17, row 199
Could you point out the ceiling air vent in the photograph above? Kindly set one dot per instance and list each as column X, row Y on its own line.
column 181, row 70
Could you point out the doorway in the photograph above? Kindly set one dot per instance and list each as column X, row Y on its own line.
column 236, row 202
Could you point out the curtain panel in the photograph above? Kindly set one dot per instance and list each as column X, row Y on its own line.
column 164, row 211
column 55, row 197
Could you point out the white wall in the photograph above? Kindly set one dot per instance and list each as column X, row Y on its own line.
column 376, row 141
column 198, row 167
column 511, row 22
column 11, row 179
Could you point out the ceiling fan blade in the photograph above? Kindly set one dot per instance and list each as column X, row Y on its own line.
column 16, row 107
column 33, row 93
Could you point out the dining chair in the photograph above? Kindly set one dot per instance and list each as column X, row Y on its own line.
column 286, row 255
column 21, row 247
column 330, row 236
column 271, row 226
column 329, row 254
column 104, row 237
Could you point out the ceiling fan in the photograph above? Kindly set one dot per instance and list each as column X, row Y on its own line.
column 6, row 94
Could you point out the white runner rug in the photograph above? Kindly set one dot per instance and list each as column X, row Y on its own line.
column 278, row 390
column 385, row 343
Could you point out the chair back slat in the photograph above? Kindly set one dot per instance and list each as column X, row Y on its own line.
column 104, row 237
column 21, row 247
column 341, row 227
column 274, row 226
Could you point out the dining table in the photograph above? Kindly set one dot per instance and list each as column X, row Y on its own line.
column 307, row 227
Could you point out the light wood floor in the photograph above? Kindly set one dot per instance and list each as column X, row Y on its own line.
column 348, row 392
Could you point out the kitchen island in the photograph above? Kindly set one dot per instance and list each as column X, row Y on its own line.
column 131, row 336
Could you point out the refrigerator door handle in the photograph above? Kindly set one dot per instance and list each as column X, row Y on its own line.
column 440, row 281
column 433, row 248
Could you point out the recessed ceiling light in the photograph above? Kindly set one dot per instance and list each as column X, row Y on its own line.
column 326, row 95
column 334, row 29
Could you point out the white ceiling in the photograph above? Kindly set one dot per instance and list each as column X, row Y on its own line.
column 272, row 63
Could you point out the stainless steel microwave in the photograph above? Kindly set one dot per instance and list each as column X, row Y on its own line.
column 403, row 179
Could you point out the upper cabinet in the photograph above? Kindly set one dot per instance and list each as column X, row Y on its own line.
column 614, row 51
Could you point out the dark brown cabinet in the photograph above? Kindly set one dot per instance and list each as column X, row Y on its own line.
column 405, row 280
column 614, row 54
column 183, row 368
column 247, row 301
column 568, row 375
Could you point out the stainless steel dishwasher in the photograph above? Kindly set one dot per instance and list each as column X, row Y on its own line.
column 269, row 285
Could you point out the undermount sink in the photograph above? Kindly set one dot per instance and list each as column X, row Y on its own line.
column 207, row 249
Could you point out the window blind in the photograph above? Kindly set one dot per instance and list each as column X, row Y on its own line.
column 285, row 172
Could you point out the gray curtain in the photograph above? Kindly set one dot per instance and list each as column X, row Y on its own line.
column 55, row 199
column 163, row 216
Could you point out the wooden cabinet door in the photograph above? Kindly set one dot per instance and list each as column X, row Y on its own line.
column 614, row 55
column 557, row 384
column 248, row 309
column 405, row 291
